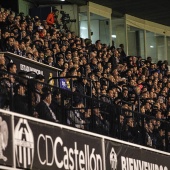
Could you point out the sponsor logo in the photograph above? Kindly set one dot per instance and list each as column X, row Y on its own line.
column 135, row 164
column 56, row 153
column 30, row 69
column 113, row 159
column 24, row 144
column 3, row 138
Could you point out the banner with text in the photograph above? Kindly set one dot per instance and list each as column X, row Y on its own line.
column 39, row 146
column 27, row 65
column 125, row 157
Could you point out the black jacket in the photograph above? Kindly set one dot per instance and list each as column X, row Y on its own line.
column 45, row 112
column 20, row 104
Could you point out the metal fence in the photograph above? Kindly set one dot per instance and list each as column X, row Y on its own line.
column 90, row 113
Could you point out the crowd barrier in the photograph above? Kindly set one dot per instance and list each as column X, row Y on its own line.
column 29, row 143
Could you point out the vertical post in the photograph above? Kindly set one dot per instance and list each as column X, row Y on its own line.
column 71, row 91
column 13, row 141
column 118, row 121
column 88, row 21
column 30, row 107
column 110, row 28
column 165, row 48
column 64, row 109
column 84, row 89
column 138, row 103
column 143, row 129
column 126, row 35
column 166, row 137
column 57, row 80
column 11, row 97
column 91, row 88
column 104, row 156
column 92, row 115
column 145, row 45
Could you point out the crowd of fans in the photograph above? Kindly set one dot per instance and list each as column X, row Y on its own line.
column 104, row 72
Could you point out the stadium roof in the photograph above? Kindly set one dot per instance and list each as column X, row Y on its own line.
column 152, row 10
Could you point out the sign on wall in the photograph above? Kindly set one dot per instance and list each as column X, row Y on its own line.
column 47, row 147
column 27, row 65
column 6, row 149
column 41, row 146
column 125, row 157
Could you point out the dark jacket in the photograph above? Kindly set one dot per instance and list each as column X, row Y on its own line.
column 57, row 109
column 45, row 112
column 20, row 104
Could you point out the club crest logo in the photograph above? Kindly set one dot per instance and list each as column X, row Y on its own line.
column 113, row 159
column 24, row 144
column 3, row 138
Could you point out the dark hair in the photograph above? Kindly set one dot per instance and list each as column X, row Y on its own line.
column 71, row 71
column 44, row 95
column 10, row 65
column 56, row 92
column 39, row 77
column 54, row 9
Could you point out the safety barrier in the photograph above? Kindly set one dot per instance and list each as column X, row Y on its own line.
column 31, row 143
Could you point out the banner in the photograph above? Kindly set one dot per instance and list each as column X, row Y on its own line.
column 39, row 146
column 125, row 157
column 6, row 149
column 27, row 65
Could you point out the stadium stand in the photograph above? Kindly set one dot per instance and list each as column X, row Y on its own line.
column 99, row 89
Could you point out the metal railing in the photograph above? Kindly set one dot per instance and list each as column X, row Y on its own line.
column 93, row 115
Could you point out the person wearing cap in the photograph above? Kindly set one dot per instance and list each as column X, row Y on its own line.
column 42, row 31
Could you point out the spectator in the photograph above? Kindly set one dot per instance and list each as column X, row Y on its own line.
column 4, row 90
column 12, row 68
column 101, row 126
column 59, row 63
column 76, row 117
column 109, row 73
column 56, row 106
column 37, row 87
column 9, row 45
column 52, row 17
column 44, row 110
column 20, row 100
